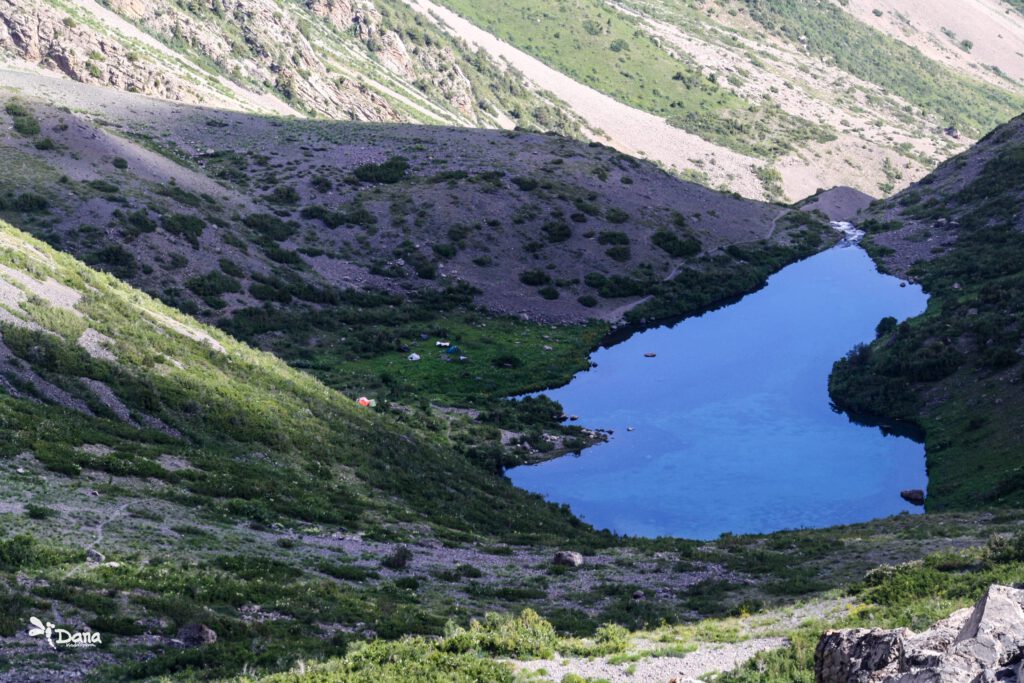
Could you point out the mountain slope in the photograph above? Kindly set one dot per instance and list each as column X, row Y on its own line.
column 148, row 383
column 956, row 370
column 334, row 243
column 805, row 89
column 362, row 61
column 157, row 475
column 769, row 99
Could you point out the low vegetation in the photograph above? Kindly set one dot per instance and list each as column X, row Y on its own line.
column 966, row 347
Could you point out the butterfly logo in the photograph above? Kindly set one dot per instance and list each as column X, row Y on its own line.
column 38, row 628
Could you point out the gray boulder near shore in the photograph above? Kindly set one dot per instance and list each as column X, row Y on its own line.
column 983, row 644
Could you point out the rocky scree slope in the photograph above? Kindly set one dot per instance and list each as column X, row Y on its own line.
column 355, row 239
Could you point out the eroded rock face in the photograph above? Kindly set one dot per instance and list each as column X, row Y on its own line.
column 266, row 57
column 976, row 645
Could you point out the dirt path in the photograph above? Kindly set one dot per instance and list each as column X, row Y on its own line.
column 627, row 129
column 707, row 659
column 99, row 528
column 103, row 523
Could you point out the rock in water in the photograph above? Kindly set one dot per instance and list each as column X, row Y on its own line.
column 195, row 635
column 970, row 646
column 913, row 496
column 568, row 558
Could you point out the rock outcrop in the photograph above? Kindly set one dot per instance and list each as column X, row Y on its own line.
column 196, row 635
column 980, row 645
column 250, row 54
column 568, row 558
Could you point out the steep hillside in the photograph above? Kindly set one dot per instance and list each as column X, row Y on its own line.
column 335, row 242
column 956, row 370
column 210, row 511
column 810, row 94
column 772, row 100
column 362, row 61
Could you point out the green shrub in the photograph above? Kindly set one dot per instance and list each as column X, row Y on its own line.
column 391, row 171
column 214, row 283
column 620, row 253
column 615, row 286
column 507, row 361
column 612, row 237
column 103, row 186
column 557, row 231
column 534, row 278
column 26, row 125
column 279, row 255
column 525, row 184
column 885, row 326
column 526, row 636
column 39, row 511
column 270, row 226
column 116, row 260
column 616, row 215
column 346, row 572
column 399, row 559
column 229, row 267
column 185, row 225
column 444, row 250
column 675, row 246
column 26, row 202
column 285, row 194
column 139, row 222
column 15, row 108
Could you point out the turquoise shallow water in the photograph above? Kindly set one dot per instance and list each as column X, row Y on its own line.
column 733, row 427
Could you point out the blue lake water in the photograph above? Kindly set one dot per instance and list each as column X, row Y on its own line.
column 733, row 427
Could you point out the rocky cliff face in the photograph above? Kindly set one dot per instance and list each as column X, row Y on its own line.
column 46, row 36
column 975, row 645
column 332, row 58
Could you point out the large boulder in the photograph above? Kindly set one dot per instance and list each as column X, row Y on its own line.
column 196, row 635
column 913, row 496
column 568, row 558
column 976, row 645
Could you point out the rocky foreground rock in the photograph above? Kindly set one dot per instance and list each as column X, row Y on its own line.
column 983, row 644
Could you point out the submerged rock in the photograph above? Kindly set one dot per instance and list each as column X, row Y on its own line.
column 973, row 645
column 913, row 496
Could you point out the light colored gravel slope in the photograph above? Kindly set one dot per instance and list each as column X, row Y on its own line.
column 996, row 31
column 627, row 129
